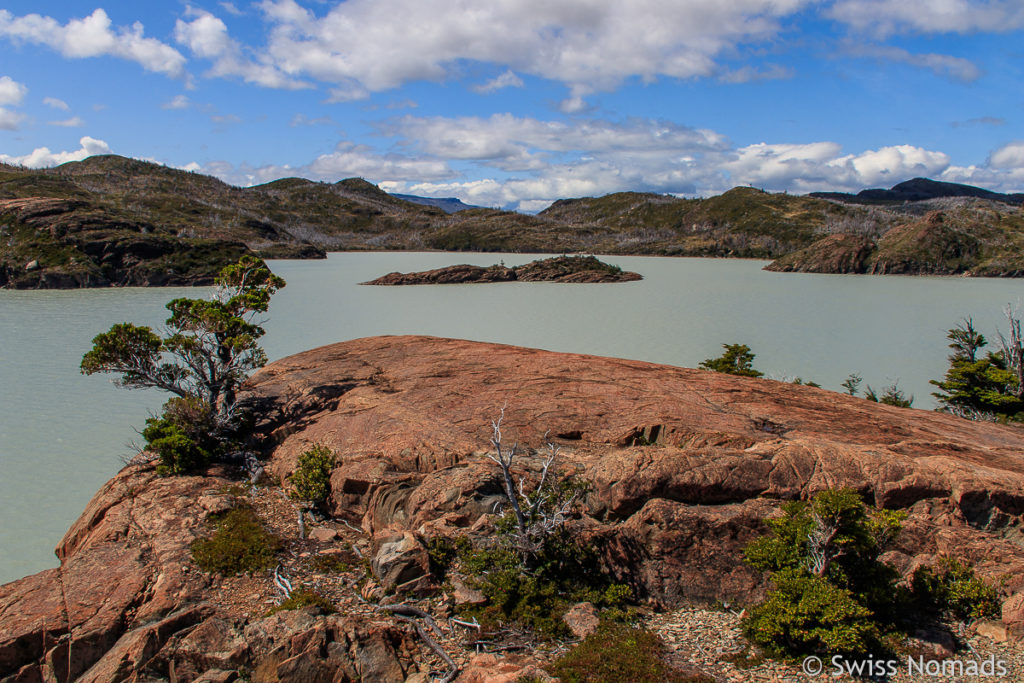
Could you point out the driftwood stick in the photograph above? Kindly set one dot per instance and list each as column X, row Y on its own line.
column 453, row 668
column 410, row 611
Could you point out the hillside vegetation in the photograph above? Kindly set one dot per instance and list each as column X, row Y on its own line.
column 124, row 221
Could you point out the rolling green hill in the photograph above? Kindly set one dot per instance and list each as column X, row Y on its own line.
column 109, row 220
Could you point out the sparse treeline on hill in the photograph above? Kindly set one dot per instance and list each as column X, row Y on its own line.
column 109, row 220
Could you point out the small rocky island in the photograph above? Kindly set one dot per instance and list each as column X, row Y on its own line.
column 556, row 269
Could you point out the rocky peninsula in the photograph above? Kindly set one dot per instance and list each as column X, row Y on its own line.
column 684, row 467
column 578, row 269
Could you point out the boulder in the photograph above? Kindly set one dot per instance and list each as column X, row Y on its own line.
column 399, row 560
column 582, row 619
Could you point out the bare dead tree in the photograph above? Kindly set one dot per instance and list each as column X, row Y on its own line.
column 1013, row 351
column 820, row 550
column 539, row 508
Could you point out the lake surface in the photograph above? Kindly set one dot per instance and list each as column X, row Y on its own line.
column 63, row 434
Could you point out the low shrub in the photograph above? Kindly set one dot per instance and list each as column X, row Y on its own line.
column 563, row 573
column 183, row 437
column 832, row 595
column 311, row 480
column 953, row 590
column 304, row 597
column 335, row 563
column 239, row 544
column 806, row 614
column 617, row 652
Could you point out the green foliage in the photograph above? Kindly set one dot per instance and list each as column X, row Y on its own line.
column 183, row 436
column 615, row 653
column 852, row 383
column 892, row 395
column 985, row 384
column 831, row 594
column 563, row 572
column 304, row 597
column 807, row 614
column 238, row 544
column 954, row 590
column 212, row 344
column 806, row 383
column 311, row 480
column 737, row 360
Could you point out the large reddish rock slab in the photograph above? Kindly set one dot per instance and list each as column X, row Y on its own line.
column 123, row 565
column 685, row 464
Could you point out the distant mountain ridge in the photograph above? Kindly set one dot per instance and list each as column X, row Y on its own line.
column 920, row 189
column 109, row 220
column 446, row 204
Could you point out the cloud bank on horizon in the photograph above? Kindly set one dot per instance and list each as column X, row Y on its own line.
column 516, row 103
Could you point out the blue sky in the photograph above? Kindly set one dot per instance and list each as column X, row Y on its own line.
column 515, row 103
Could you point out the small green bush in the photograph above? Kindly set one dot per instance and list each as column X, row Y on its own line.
column 183, row 436
column 616, row 653
column 806, row 614
column 304, row 597
column 239, row 544
column 848, row 604
column 564, row 572
column 892, row 395
column 953, row 590
column 311, row 480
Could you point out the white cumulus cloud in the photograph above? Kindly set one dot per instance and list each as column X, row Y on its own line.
column 10, row 120
column 206, row 36
column 11, row 92
column 93, row 36
column 42, row 157
column 947, row 66
column 585, row 44
column 177, row 102
column 508, row 79
column 1010, row 156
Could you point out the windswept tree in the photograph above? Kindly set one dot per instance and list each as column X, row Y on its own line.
column 977, row 386
column 208, row 348
column 737, row 360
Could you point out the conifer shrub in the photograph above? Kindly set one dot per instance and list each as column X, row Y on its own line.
column 238, row 544
column 737, row 360
column 832, row 595
column 563, row 572
column 311, row 480
column 183, row 436
column 953, row 590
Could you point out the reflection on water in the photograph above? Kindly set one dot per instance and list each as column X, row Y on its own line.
column 63, row 434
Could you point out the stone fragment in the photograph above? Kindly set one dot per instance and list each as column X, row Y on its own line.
column 993, row 630
column 323, row 534
column 582, row 619
column 932, row 643
column 464, row 595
